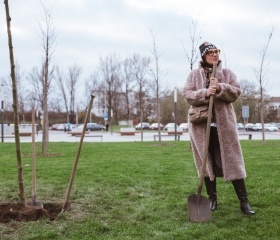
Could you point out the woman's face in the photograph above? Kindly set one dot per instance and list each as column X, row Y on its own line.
column 212, row 56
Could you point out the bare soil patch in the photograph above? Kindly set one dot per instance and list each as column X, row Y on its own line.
column 17, row 212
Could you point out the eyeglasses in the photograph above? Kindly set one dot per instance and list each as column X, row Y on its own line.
column 212, row 52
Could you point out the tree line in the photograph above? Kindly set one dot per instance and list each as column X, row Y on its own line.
column 118, row 93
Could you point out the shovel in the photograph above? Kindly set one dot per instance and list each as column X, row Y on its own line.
column 199, row 206
column 33, row 202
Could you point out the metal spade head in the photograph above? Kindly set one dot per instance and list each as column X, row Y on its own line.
column 198, row 208
column 34, row 203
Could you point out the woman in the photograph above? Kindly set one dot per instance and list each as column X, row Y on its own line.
column 225, row 157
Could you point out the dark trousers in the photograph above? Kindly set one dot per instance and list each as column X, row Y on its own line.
column 215, row 152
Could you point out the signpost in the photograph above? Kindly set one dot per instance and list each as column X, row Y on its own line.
column 245, row 113
column 175, row 113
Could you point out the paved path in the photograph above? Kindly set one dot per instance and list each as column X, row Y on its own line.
column 61, row 136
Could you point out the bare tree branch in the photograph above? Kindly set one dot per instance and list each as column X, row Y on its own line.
column 156, row 73
column 192, row 54
column 260, row 77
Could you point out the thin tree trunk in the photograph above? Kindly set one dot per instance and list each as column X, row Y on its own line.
column 15, row 107
column 141, row 117
column 158, row 119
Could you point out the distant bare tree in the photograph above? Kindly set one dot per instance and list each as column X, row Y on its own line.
column 248, row 89
column 157, row 74
column 91, row 86
column 60, row 80
column 48, row 37
column 128, row 81
column 35, row 78
column 22, row 98
column 140, row 70
column 260, row 73
column 22, row 93
column 110, row 83
column 15, row 106
column 225, row 65
column 247, row 98
column 74, row 74
column 192, row 52
column 67, row 87
column 195, row 37
column 56, row 106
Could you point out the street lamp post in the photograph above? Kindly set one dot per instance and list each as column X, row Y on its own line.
column 37, row 121
column 175, row 111
column 111, row 121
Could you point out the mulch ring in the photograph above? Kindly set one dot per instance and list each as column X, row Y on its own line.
column 17, row 212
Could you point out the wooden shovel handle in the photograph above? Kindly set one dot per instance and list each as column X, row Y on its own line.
column 205, row 152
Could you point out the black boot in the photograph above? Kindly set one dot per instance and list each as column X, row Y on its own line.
column 212, row 192
column 240, row 189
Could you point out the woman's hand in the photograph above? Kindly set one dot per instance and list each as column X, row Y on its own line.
column 211, row 91
column 214, row 84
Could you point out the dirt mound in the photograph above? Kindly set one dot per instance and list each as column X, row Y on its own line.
column 17, row 212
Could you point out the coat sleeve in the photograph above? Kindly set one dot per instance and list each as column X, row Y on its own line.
column 230, row 87
column 194, row 94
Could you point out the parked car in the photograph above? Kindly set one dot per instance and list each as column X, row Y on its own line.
column 155, row 126
column 54, row 126
column 276, row 125
column 64, row 127
column 143, row 125
column 267, row 127
column 270, row 128
column 95, row 127
column 170, row 125
column 257, row 127
column 249, row 127
column 75, row 126
column 240, row 126
column 184, row 126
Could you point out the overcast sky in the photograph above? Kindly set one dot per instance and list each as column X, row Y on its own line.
column 89, row 29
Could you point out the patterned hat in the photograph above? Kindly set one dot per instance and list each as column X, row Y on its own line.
column 205, row 47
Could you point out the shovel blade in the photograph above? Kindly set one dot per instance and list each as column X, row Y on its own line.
column 198, row 208
column 35, row 204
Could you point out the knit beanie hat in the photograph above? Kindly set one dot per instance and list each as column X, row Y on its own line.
column 205, row 47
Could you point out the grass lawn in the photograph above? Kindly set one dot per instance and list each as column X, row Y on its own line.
column 139, row 191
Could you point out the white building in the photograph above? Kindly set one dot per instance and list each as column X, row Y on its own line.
column 274, row 103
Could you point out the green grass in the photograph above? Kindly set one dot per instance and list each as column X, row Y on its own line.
column 139, row 191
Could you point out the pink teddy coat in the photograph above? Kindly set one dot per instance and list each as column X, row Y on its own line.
column 195, row 93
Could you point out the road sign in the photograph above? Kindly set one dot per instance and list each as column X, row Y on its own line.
column 105, row 116
column 245, row 111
